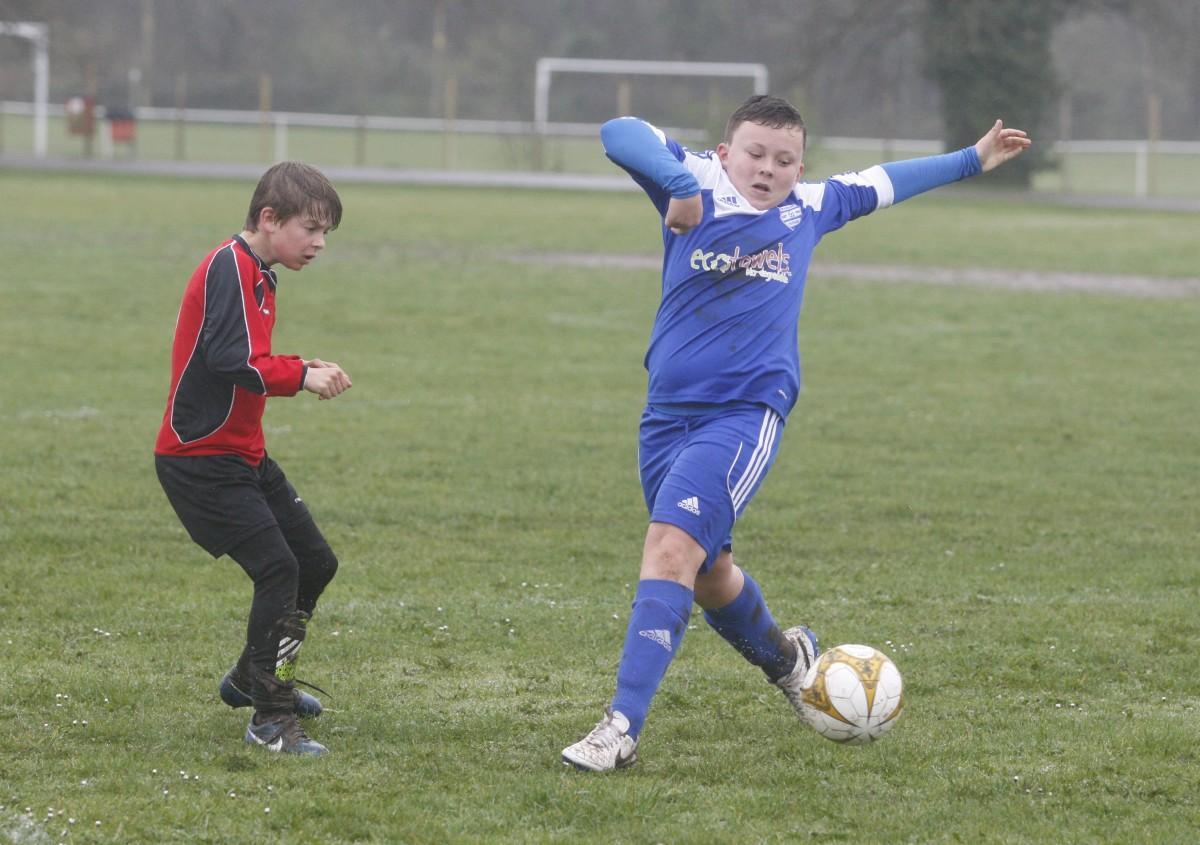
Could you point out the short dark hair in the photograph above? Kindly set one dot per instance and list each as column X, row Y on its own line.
column 292, row 188
column 764, row 109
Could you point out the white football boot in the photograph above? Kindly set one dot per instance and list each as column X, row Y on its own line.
column 792, row 683
column 609, row 746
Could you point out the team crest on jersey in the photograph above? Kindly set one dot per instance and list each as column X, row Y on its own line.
column 790, row 215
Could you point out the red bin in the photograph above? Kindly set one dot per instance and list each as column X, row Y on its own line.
column 122, row 126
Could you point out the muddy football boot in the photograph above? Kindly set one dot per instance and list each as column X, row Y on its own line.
column 792, row 683
column 281, row 732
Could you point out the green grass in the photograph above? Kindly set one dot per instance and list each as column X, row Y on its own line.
column 999, row 488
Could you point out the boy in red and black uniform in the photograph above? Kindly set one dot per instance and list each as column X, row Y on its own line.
column 211, row 457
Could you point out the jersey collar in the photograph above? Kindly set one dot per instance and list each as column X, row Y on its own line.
column 262, row 266
column 727, row 200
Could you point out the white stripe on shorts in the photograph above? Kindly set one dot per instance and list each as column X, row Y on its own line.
column 758, row 460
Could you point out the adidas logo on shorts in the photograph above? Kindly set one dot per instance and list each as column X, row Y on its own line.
column 691, row 504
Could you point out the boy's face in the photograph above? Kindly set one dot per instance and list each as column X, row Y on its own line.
column 764, row 163
column 294, row 242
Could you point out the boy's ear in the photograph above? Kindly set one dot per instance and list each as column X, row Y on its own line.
column 267, row 217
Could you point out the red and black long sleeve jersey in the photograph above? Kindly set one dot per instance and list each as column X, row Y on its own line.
column 222, row 369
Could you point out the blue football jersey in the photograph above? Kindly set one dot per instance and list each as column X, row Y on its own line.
column 727, row 326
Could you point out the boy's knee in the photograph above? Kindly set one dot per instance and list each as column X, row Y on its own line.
column 322, row 562
column 267, row 559
column 284, row 570
column 329, row 567
column 671, row 554
column 720, row 585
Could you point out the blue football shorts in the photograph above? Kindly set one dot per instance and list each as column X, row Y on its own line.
column 699, row 472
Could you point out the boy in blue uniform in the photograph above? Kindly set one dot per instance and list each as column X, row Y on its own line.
column 739, row 229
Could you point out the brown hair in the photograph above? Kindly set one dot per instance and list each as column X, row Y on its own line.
column 766, row 110
column 292, row 188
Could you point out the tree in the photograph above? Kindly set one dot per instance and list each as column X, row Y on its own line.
column 991, row 59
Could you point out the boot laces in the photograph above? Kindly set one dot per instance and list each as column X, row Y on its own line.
column 606, row 734
column 293, row 732
column 311, row 686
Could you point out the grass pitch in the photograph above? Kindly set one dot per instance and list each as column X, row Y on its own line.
column 996, row 487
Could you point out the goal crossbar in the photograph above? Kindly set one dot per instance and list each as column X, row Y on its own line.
column 547, row 66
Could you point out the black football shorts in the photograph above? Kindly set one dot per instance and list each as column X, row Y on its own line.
column 222, row 500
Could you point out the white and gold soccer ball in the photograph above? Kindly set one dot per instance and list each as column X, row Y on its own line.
column 853, row 694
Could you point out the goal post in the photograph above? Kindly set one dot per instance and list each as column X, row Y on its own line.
column 547, row 66
column 39, row 35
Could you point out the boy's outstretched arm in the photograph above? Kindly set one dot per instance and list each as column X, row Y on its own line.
column 643, row 151
column 1000, row 145
column 913, row 176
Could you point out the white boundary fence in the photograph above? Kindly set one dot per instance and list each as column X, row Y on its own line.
column 278, row 122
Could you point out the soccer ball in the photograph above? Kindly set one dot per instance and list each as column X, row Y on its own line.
column 853, row 694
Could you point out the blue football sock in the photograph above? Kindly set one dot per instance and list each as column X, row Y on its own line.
column 656, row 627
column 748, row 626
